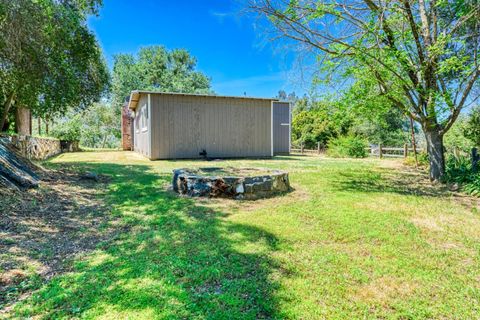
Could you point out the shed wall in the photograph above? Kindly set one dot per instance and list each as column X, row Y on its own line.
column 183, row 126
column 141, row 128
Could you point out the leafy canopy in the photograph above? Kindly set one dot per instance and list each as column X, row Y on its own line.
column 98, row 126
column 421, row 55
column 156, row 68
column 49, row 60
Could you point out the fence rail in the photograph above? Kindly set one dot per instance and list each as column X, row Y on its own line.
column 376, row 151
column 302, row 150
column 392, row 152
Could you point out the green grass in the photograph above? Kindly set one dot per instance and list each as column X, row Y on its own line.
column 356, row 239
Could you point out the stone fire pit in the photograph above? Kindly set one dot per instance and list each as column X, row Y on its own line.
column 237, row 183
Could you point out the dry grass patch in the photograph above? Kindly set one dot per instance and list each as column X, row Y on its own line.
column 382, row 290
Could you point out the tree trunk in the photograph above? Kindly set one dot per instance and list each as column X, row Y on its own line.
column 104, row 141
column 6, row 109
column 23, row 121
column 435, row 153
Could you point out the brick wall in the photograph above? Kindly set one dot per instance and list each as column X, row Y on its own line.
column 126, row 128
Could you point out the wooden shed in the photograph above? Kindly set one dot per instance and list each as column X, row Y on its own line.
column 176, row 126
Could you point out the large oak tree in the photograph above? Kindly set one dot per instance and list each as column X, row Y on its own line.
column 156, row 68
column 422, row 55
column 50, row 61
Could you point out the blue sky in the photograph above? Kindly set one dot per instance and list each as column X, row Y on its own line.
column 228, row 45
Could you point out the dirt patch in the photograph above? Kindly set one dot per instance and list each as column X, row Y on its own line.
column 382, row 290
column 41, row 230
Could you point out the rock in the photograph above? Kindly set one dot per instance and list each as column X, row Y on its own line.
column 16, row 170
column 190, row 183
column 455, row 187
column 90, row 176
column 239, row 188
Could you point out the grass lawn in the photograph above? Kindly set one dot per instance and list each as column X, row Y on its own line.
column 355, row 239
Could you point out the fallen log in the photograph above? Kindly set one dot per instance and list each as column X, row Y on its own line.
column 16, row 170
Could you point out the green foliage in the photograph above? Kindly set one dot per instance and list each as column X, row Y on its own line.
column 156, row 68
column 422, row 158
column 455, row 138
column 70, row 130
column 376, row 118
column 319, row 121
column 51, row 62
column 418, row 57
column 356, row 225
column 388, row 128
column 459, row 170
column 347, row 146
column 472, row 126
column 314, row 125
column 95, row 127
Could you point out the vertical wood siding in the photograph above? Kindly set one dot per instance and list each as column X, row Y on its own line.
column 183, row 126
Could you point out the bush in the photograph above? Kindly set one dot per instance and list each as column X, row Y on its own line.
column 455, row 137
column 422, row 157
column 69, row 130
column 347, row 146
column 472, row 127
column 459, row 170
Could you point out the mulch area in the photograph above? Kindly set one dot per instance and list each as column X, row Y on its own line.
column 42, row 229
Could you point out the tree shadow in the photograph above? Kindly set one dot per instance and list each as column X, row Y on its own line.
column 210, row 162
column 41, row 230
column 382, row 180
column 177, row 259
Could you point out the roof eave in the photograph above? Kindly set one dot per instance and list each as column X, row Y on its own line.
column 135, row 96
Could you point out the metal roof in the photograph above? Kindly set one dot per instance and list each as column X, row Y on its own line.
column 135, row 96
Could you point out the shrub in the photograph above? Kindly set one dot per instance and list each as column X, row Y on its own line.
column 472, row 128
column 347, row 146
column 455, row 137
column 69, row 130
column 459, row 170
column 422, row 157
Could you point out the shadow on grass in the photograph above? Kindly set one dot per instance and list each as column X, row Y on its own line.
column 178, row 259
column 211, row 161
column 42, row 229
column 387, row 180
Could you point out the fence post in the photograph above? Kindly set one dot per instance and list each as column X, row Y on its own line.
column 380, row 151
column 302, row 148
column 405, row 150
column 475, row 159
column 318, row 147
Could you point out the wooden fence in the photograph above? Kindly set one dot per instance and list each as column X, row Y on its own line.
column 378, row 151
column 392, row 152
column 302, row 150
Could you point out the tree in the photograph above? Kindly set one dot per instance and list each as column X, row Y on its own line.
column 95, row 127
column 318, row 122
column 373, row 116
column 422, row 55
column 49, row 60
column 156, row 68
